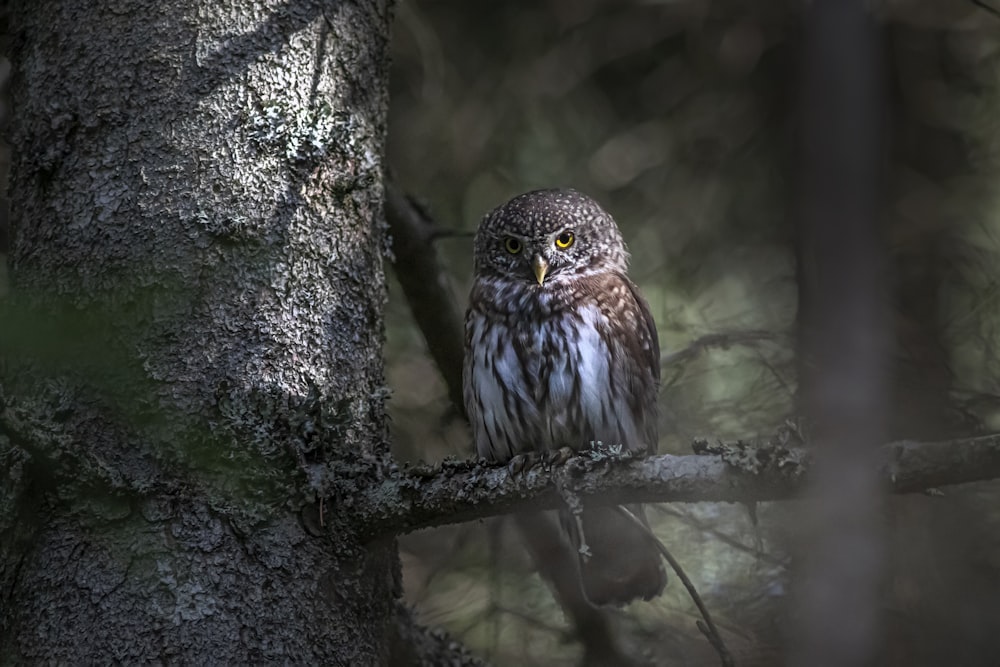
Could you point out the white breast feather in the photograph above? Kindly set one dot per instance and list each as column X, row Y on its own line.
column 500, row 435
column 495, row 428
column 593, row 370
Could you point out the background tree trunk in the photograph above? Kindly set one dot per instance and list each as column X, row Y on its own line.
column 944, row 593
column 844, row 336
column 197, row 269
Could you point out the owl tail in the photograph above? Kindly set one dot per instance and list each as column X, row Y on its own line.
column 624, row 564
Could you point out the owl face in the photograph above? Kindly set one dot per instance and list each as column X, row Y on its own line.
column 548, row 237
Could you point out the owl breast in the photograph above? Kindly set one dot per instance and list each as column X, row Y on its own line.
column 540, row 385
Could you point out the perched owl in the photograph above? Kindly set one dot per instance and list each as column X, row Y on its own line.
column 561, row 351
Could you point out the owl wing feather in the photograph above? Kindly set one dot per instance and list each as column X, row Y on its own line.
column 631, row 334
column 647, row 374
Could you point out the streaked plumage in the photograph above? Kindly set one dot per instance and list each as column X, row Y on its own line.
column 561, row 350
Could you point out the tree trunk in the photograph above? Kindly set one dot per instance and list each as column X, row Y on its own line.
column 197, row 275
column 844, row 336
column 945, row 595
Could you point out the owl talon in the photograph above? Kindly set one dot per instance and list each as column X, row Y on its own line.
column 515, row 465
column 518, row 464
column 557, row 457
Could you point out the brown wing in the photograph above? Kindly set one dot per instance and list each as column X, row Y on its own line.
column 624, row 565
column 632, row 336
column 647, row 332
column 646, row 369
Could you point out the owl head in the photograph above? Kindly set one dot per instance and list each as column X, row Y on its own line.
column 546, row 237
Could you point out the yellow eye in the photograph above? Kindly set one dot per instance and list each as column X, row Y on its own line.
column 512, row 245
column 564, row 240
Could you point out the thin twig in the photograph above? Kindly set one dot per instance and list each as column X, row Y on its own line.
column 719, row 535
column 722, row 340
column 708, row 627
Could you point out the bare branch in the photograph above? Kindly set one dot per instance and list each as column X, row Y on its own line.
column 464, row 491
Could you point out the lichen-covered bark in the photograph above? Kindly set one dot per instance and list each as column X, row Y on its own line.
column 197, row 291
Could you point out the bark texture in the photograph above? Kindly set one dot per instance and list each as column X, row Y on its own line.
column 195, row 331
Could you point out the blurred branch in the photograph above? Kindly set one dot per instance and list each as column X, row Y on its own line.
column 425, row 285
column 464, row 491
column 728, row 540
column 722, row 340
column 982, row 5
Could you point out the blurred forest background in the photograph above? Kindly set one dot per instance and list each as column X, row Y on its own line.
column 678, row 116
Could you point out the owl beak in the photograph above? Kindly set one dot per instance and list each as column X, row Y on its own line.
column 540, row 267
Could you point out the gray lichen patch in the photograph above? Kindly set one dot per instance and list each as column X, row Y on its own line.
column 756, row 457
column 303, row 136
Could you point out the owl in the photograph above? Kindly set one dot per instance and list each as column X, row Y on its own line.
column 561, row 351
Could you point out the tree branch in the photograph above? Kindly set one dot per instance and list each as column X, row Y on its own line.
column 463, row 491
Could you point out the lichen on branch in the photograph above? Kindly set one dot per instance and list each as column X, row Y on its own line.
column 458, row 491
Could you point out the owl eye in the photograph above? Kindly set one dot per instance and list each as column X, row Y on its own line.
column 512, row 245
column 564, row 240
